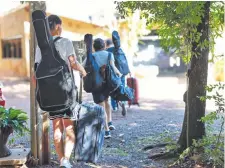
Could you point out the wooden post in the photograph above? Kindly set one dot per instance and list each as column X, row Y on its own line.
column 40, row 146
column 33, row 109
column 45, row 139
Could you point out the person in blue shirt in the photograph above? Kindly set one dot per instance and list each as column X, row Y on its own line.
column 111, row 48
column 101, row 57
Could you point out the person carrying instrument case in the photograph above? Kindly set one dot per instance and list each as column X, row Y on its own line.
column 121, row 64
column 55, row 61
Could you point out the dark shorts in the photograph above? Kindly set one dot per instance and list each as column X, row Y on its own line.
column 67, row 114
column 99, row 97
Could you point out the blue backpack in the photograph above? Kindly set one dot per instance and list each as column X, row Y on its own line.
column 113, row 81
column 120, row 58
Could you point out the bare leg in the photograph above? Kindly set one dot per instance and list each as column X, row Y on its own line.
column 58, row 141
column 108, row 111
column 70, row 138
column 106, row 116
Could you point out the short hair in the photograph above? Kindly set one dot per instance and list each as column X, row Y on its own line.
column 109, row 42
column 53, row 20
column 99, row 44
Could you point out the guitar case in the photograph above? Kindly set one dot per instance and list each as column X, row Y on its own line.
column 93, row 81
column 55, row 90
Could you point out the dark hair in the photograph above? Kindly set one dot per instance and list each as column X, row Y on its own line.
column 53, row 20
column 99, row 44
column 109, row 42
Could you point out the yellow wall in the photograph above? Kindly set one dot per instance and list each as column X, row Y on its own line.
column 12, row 25
column 219, row 70
column 0, row 43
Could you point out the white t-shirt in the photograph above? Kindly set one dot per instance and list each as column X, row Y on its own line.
column 63, row 45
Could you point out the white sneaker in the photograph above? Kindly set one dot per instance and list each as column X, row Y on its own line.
column 65, row 163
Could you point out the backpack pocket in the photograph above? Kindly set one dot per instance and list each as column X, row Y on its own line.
column 53, row 91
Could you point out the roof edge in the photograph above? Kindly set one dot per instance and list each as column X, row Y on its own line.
column 19, row 7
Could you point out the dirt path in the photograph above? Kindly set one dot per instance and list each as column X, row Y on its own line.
column 161, row 112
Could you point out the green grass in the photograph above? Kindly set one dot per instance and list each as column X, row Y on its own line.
column 115, row 151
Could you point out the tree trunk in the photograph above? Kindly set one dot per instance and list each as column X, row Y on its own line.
column 197, row 83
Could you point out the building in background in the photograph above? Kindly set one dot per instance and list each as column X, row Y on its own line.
column 79, row 17
column 15, row 35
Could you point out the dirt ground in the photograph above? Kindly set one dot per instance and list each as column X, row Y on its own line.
column 160, row 113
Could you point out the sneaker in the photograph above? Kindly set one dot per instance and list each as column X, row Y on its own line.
column 124, row 110
column 65, row 164
column 107, row 134
column 111, row 127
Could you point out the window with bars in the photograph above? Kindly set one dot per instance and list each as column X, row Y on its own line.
column 11, row 48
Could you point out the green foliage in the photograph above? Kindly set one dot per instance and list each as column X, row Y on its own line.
column 216, row 24
column 209, row 149
column 213, row 143
column 15, row 119
column 178, row 21
column 170, row 138
column 213, row 149
column 215, row 93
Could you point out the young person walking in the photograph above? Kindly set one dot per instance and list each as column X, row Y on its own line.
column 114, row 47
column 101, row 98
column 61, row 121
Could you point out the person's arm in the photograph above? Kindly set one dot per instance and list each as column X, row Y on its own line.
column 72, row 59
column 113, row 66
column 76, row 65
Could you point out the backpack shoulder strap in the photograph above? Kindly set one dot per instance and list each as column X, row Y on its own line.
column 56, row 39
column 71, row 70
column 109, row 57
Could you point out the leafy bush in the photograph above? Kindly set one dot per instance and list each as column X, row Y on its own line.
column 210, row 149
column 15, row 119
column 213, row 142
